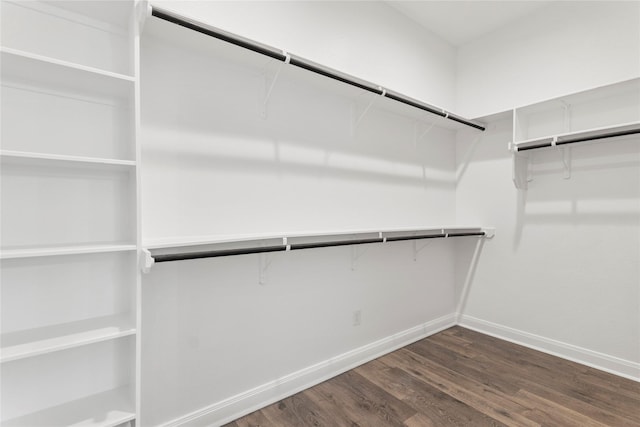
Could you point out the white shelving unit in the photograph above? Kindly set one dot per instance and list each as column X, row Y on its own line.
column 70, row 225
column 601, row 114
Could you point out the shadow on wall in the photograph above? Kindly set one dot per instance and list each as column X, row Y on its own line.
column 468, row 252
column 285, row 158
column 599, row 186
column 199, row 95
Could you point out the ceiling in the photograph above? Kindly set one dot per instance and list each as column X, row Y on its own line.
column 460, row 22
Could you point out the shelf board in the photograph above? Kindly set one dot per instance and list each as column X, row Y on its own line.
column 107, row 409
column 38, row 341
column 45, row 159
column 30, row 252
column 24, row 68
column 578, row 134
column 239, row 238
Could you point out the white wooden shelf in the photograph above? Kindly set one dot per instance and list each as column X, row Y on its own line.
column 178, row 242
column 586, row 134
column 291, row 242
column 35, row 342
column 45, row 159
column 107, row 409
column 30, row 252
column 24, row 68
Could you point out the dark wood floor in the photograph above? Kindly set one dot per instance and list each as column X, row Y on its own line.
column 461, row 378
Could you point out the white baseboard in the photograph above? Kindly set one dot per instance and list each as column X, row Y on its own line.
column 603, row 362
column 234, row 407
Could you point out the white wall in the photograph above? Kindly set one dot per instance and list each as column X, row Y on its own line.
column 367, row 39
column 216, row 342
column 562, row 272
column 563, row 48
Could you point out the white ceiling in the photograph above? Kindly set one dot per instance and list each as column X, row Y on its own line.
column 459, row 22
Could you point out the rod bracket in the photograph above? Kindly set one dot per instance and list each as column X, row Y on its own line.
column 142, row 12
column 146, row 261
column 489, row 232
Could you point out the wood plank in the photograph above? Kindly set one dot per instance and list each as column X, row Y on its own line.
column 491, row 402
column 433, row 404
column 547, row 412
column 298, row 410
column 478, row 369
column 366, row 403
column 254, row 419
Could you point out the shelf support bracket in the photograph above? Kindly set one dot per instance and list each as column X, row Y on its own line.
column 269, row 87
column 146, row 261
column 423, row 134
column 355, row 256
column 264, row 261
column 565, row 157
column 566, row 116
column 357, row 120
column 417, row 250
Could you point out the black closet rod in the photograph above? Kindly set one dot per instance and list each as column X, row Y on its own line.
column 581, row 139
column 297, row 246
column 303, row 63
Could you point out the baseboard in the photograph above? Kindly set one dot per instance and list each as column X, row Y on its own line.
column 603, row 362
column 266, row 394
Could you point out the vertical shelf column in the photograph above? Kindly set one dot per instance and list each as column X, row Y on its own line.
column 70, row 282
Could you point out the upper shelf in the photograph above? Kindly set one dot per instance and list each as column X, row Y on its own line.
column 29, row 69
column 239, row 238
column 189, row 33
column 579, row 136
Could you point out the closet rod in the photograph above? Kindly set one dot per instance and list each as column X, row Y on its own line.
column 570, row 140
column 303, row 63
column 298, row 246
column 181, row 256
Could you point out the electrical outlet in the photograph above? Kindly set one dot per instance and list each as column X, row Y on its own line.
column 357, row 317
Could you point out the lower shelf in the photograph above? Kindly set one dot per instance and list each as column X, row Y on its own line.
column 34, row 342
column 107, row 409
